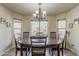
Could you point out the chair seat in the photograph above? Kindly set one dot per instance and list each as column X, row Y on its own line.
column 38, row 50
column 38, row 54
column 18, row 46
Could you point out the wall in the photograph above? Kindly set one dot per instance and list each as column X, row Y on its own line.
column 61, row 16
column 74, row 32
column 27, row 24
column 73, row 37
column 6, row 33
column 51, row 23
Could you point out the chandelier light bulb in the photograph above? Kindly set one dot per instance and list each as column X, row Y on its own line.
column 37, row 12
column 76, row 22
column 44, row 12
column 34, row 15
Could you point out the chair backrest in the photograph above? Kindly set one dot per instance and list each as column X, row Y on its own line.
column 15, row 41
column 39, row 44
column 52, row 34
column 25, row 35
column 38, row 41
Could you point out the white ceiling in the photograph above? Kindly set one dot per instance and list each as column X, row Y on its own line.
column 30, row 8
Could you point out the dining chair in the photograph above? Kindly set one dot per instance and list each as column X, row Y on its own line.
column 52, row 36
column 17, row 46
column 38, row 47
column 61, row 42
column 26, row 37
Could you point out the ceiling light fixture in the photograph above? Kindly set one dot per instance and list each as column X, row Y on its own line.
column 2, row 20
column 39, row 14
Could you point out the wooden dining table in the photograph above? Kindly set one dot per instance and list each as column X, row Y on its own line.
column 50, row 43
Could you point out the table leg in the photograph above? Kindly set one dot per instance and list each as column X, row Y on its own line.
column 62, row 48
column 21, row 51
column 58, row 52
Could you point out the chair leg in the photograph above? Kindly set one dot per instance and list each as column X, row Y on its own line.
column 31, row 52
column 58, row 50
column 52, row 52
column 49, row 50
column 26, row 52
column 62, row 52
column 16, row 52
column 62, row 48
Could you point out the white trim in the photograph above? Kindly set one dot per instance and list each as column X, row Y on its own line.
column 5, row 51
column 73, row 51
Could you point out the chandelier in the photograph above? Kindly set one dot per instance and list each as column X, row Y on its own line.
column 39, row 14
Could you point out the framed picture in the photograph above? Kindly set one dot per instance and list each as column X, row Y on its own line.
column 70, row 25
column 76, row 21
column 8, row 24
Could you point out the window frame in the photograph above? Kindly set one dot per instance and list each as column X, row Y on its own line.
column 39, row 25
column 61, row 28
column 19, row 21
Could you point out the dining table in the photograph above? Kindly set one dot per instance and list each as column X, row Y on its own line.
column 50, row 43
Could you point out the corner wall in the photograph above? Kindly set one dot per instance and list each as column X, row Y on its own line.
column 73, row 37
column 6, row 36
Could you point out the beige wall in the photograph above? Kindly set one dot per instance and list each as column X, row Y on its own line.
column 74, row 32
column 73, row 38
column 26, row 24
column 5, row 33
column 61, row 16
column 51, row 23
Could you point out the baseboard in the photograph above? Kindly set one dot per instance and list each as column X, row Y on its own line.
column 73, row 51
column 5, row 51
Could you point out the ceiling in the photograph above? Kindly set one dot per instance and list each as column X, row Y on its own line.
column 30, row 8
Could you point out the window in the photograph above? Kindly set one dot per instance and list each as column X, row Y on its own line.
column 61, row 27
column 17, row 25
column 37, row 26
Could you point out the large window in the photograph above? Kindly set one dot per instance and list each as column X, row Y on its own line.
column 17, row 25
column 41, row 26
column 61, row 26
